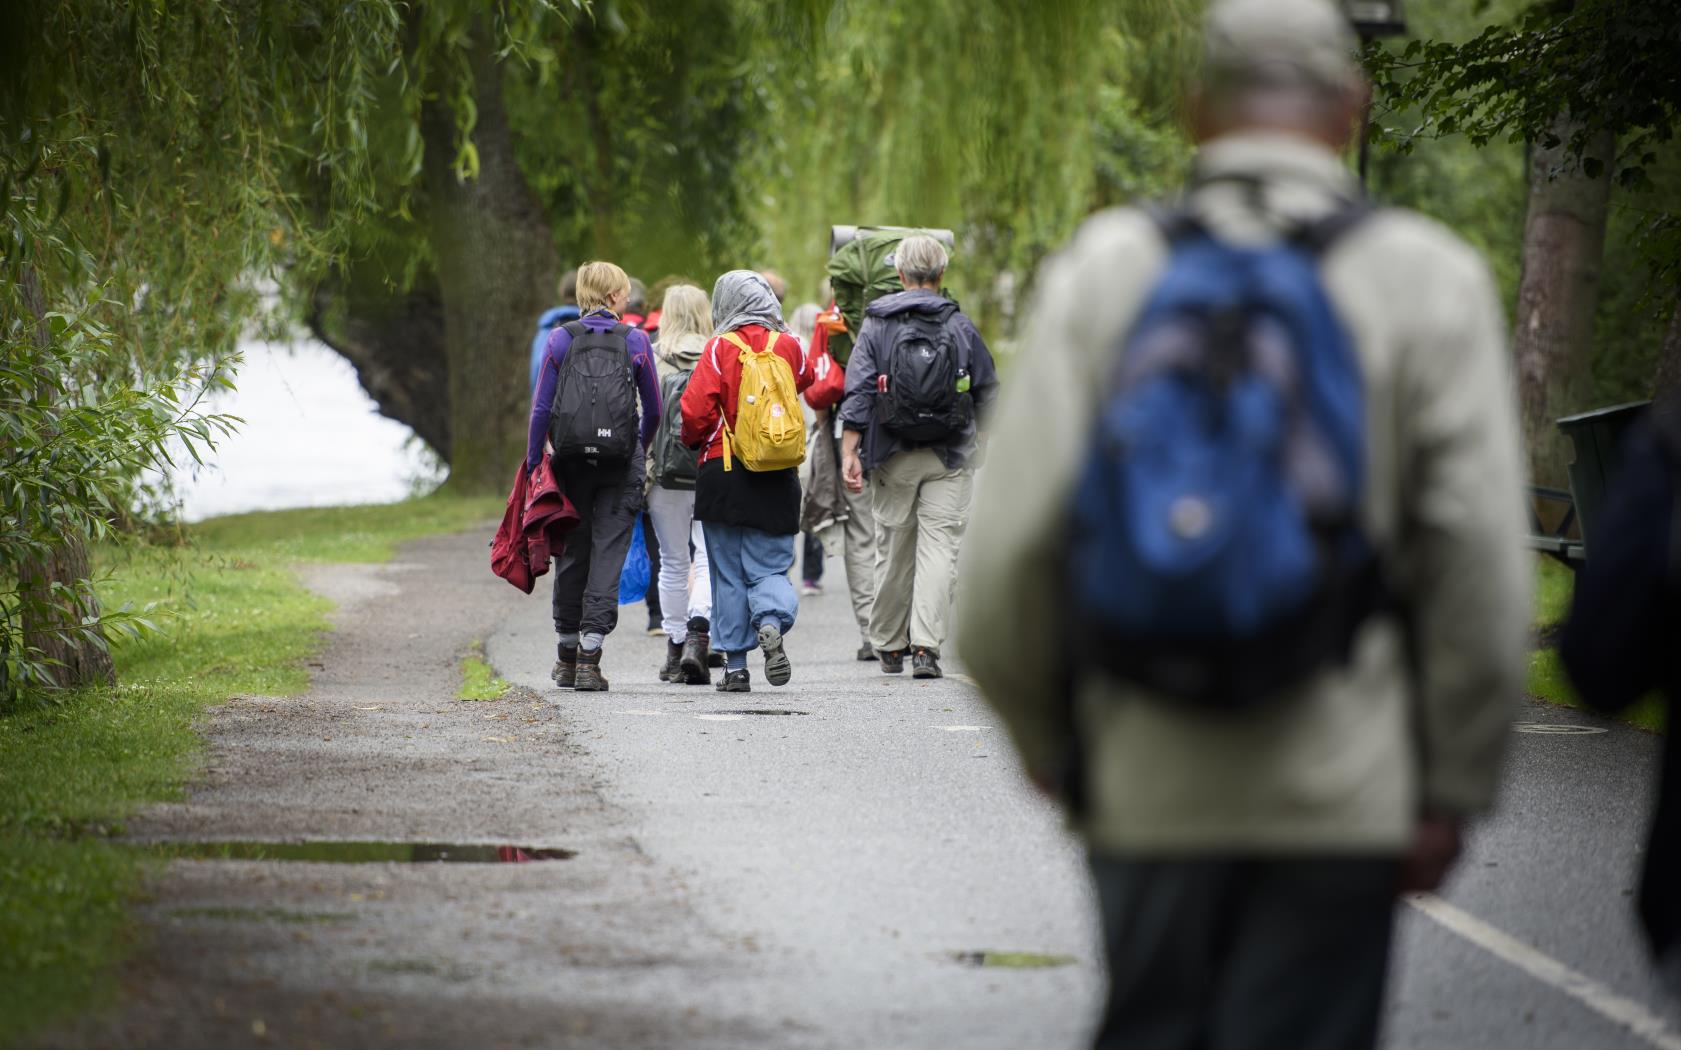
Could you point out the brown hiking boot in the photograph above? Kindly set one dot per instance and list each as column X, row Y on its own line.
column 565, row 672
column 693, row 664
column 673, row 653
column 590, row 679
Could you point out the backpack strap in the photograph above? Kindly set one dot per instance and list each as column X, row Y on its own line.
column 1177, row 221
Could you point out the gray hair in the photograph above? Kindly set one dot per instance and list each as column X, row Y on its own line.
column 921, row 259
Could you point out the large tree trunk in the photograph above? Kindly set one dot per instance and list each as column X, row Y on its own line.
column 76, row 658
column 396, row 344
column 1667, row 384
column 1563, row 241
column 496, row 268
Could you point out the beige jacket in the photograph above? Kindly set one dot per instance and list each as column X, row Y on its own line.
column 1344, row 763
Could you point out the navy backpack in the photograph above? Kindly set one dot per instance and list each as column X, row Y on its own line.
column 1216, row 553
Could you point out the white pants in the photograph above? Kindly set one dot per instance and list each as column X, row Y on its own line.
column 682, row 595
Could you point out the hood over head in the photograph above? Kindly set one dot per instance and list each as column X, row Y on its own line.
column 742, row 297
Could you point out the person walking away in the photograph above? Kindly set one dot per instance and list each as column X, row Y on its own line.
column 919, row 381
column 594, row 371
column 553, row 318
column 1271, row 703
column 803, row 325
column 742, row 407
column 686, row 322
column 1619, row 643
column 858, row 530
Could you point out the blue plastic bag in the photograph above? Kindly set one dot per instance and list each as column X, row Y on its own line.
column 637, row 574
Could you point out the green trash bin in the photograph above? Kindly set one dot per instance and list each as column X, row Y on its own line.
column 1595, row 438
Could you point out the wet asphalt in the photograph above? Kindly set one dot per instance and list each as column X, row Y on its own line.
column 819, row 878
column 863, row 840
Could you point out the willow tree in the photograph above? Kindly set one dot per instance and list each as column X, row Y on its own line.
column 156, row 163
column 1006, row 122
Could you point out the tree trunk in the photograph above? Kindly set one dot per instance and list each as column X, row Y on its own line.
column 1563, row 241
column 77, row 659
column 396, row 344
column 496, row 269
column 1667, row 384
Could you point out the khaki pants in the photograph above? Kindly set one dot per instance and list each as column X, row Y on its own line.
column 859, row 536
column 921, row 510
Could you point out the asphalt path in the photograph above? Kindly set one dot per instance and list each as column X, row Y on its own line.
column 865, row 842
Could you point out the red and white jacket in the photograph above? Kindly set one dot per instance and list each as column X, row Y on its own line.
column 710, row 397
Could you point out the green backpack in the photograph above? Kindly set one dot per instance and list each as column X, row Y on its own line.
column 861, row 271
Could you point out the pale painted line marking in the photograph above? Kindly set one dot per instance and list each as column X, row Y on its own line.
column 1544, row 968
column 720, row 718
column 634, row 711
column 962, row 729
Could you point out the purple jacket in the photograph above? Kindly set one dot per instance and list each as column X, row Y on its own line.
column 642, row 366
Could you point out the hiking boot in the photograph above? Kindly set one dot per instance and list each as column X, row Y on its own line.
column 777, row 668
column 736, row 682
column 589, row 678
column 925, row 663
column 892, row 660
column 565, row 672
column 673, row 654
column 867, row 654
column 695, row 659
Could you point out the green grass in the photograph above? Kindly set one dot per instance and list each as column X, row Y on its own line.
column 1547, row 680
column 235, row 620
column 478, row 678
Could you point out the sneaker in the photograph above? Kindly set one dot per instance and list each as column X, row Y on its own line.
column 892, row 660
column 656, row 625
column 777, row 668
column 925, row 663
column 736, row 682
column 809, row 588
column 867, row 654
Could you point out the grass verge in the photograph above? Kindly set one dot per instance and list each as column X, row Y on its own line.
column 478, row 678
column 237, row 620
column 1547, row 680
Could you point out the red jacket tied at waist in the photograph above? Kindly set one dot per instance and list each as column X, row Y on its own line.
column 533, row 528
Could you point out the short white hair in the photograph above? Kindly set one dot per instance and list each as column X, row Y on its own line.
column 921, row 259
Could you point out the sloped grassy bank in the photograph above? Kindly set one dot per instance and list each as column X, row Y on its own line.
column 235, row 619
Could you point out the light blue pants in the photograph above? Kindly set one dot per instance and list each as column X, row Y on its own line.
column 750, row 584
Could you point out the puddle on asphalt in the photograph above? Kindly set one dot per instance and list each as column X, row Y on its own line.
column 357, row 852
column 759, row 711
column 1012, row 960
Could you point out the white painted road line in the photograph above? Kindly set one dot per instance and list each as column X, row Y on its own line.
column 1545, row 968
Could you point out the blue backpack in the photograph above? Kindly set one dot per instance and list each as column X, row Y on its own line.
column 1216, row 553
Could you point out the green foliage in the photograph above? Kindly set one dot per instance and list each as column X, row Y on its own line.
column 237, row 622
column 479, row 680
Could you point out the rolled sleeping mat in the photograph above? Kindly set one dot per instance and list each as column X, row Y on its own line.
column 840, row 235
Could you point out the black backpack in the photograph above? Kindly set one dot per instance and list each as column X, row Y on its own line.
column 676, row 466
column 594, row 411
column 926, row 393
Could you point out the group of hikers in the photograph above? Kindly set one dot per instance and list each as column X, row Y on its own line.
column 1243, row 575
column 695, row 416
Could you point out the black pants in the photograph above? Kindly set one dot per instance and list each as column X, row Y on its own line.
column 811, row 559
column 586, row 582
column 1280, row 954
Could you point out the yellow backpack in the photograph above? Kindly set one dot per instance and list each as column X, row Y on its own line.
column 769, row 426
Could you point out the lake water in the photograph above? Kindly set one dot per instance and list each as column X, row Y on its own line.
column 311, row 438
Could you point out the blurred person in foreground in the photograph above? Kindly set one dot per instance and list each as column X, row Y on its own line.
column 1619, row 644
column 1251, row 818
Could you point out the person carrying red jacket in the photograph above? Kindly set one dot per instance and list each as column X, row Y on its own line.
column 750, row 518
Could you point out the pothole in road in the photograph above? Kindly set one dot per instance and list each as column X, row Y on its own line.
column 357, row 852
column 759, row 711
column 1012, row 960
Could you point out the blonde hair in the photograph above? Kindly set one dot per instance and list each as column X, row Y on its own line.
column 686, row 311
column 597, row 281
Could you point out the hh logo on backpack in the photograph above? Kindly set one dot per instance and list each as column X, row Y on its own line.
column 769, row 429
column 594, row 412
column 924, row 382
column 1216, row 551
